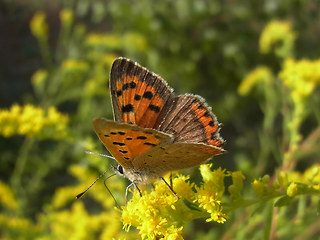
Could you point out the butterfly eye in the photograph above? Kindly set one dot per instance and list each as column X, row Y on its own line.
column 120, row 169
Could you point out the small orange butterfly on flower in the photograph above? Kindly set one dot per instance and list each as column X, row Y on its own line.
column 155, row 132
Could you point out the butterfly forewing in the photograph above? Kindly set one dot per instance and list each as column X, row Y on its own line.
column 138, row 96
column 125, row 142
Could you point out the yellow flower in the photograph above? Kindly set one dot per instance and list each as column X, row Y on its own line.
column 39, row 77
column 33, row 122
column 134, row 42
column 160, row 215
column 292, row 190
column 7, row 198
column 39, row 26
column 261, row 186
column 173, row 233
column 279, row 36
column 301, row 77
column 312, row 176
column 237, row 185
column 149, row 213
column 106, row 40
column 66, row 16
column 73, row 65
column 260, row 74
column 209, row 194
column 13, row 227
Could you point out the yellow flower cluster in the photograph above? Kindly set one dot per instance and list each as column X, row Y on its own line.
column 13, row 227
column 33, row 122
column 291, row 184
column 39, row 26
column 278, row 35
column 160, row 215
column 209, row 194
column 109, row 41
column 237, row 184
column 301, row 77
column 261, row 186
column 73, row 65
column 311, row 178
column 66, row 16
column 260, row 74
column 131, row 41
column 39, row 77
column 154, row 212
column 77, row 223
column 7, row 198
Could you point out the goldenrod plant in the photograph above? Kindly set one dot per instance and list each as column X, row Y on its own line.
column 266, row 186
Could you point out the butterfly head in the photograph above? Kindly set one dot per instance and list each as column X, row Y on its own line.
column 135, row 176
column 119, row 170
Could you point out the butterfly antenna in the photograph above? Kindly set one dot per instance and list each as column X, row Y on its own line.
column 99, row 154
column 101, row 175
column 110, row 191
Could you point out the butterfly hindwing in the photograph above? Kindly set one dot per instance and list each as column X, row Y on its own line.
column 176, row 156
column 191, row 120
column 125, row 142
column 138, row 96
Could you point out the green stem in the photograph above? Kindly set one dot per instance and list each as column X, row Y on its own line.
column 46, row 54
column 16, row 178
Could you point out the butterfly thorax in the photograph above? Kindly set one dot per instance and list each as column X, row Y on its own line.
column 139, row 177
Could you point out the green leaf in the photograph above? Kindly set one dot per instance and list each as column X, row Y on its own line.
column 258, row 209
column 283, row 201
column 268, row 221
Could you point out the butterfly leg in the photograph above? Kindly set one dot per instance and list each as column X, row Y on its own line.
column 127, row 190
column 137, row 189
column 170, row 188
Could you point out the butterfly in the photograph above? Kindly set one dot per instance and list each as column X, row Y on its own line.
column 155, row 132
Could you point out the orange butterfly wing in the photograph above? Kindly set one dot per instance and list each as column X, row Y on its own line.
column 138, row 96
column 125, row 142
column 172, row 157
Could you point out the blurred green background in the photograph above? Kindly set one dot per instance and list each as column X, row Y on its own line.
column 201, row 47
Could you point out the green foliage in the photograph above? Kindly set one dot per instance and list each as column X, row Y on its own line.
column 269, row 184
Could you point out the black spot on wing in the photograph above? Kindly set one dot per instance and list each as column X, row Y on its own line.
column 129, row 138
column 113, row 133
column 125, row 86
column 148, row 95
column 121, row 133
column 127, row 108
column 137, row 97
column 206, row 114
column 119, row 143
column 213, row 136
column 132, row 85
column 142, row 137
column 154, row 108
column 150, row 144
column 123, row 151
